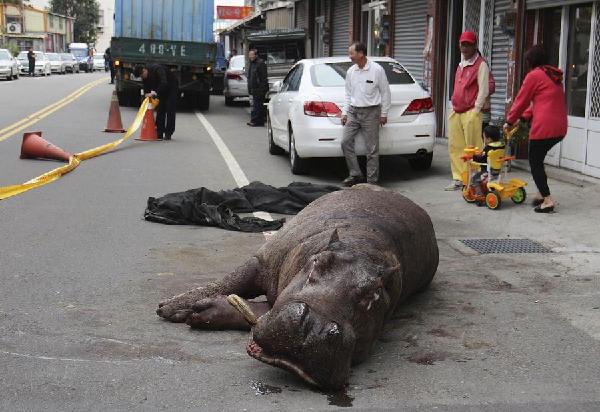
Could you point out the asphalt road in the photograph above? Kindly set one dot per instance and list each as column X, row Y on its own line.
column 81, row 274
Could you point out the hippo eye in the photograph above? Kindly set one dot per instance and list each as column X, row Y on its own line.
column 333, row 329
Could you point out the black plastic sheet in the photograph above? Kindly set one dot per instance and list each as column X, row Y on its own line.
column 205, row 207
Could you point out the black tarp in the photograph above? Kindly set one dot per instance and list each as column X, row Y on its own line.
column 206, row 207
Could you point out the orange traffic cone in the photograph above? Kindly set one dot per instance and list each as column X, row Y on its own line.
column 114, row 123
column 148, row 133
column 34, row 146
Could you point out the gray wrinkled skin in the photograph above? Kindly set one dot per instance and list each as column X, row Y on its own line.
column 332, row 276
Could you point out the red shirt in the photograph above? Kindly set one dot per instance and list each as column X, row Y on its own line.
column 542, row 99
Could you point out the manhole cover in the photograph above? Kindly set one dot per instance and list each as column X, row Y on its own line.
column 486, row 246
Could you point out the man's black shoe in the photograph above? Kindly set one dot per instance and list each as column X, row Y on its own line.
column 167, row 137
column 353, row 180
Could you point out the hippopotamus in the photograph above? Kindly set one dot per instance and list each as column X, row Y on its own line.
column 331, row 276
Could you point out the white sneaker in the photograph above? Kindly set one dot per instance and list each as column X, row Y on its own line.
column 454, row 185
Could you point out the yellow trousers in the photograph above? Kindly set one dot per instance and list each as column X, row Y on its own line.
column 464, row 129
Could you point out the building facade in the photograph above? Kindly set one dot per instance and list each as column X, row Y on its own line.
column 423, row 36
column 26, row 26
column 106, row 25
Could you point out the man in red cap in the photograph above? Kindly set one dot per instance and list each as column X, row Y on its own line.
column 471, row 91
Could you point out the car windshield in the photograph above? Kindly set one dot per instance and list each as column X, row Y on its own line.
column 80, row 52
column 237, row 62
column 99, row 58
column 334, row 74
column 4, row 55
column 52, row 56
column 22, row 55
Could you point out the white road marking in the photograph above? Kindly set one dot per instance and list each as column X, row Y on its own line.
column 78, row 360
column 234, row 167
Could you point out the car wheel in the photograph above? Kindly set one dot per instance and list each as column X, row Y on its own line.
column 298, row 166
column 273, row 148
column 228, row 101
column 422, row 162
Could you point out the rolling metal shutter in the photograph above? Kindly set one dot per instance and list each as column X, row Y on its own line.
column 538, row 4
column 410, row 29
column 301, row 17
column 340, row 30
column 500, row 46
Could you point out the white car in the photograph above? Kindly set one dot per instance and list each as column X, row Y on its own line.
column 98, row 62
column 235, row 81
column 9, row 66
column 56, row 63
column 42, row 64
column 304, row 116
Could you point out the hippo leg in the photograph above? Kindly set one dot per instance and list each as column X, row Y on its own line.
column 245, row 281
column 216, row 313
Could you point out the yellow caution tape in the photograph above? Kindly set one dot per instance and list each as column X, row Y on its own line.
column 76, row 159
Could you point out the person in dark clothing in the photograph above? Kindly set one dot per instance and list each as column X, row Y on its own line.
column 109, row 62
column 492, row 138
column 258, row 86
column 31, row 59
column 160, row 82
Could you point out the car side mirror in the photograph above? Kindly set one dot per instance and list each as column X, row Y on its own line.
column 277, row 86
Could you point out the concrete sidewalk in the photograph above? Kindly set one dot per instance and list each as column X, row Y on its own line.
column 511, row 328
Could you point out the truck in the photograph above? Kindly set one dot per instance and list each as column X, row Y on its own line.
column 178, row 35
column 81, row 51
column 280, row 49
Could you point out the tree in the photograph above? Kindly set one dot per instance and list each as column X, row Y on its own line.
column 86, row 14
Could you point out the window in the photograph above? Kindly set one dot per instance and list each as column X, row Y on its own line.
column 237, row 63
column 61, row 23
column 551, row 22
column 334, row 74
column 294, row 85
column 580, row 22
column 100, row 18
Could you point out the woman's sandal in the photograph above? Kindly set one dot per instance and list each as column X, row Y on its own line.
column 537, row 202
column 540, row 209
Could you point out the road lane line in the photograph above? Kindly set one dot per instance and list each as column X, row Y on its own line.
column 12, row 126
column 234, row 167
column 33, row 118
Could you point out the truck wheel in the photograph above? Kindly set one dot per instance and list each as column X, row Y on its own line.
column 134, row 98
column 122, row 96
column 203, row 101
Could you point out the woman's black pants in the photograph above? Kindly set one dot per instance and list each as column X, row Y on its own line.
column 538, row 149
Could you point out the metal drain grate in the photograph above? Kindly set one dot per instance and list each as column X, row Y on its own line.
column 487, row 246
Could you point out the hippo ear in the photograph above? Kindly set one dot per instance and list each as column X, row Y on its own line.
column 388, row 273
column 335, row 237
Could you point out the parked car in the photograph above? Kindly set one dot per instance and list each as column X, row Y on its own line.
column 98, row 62
column 9, row 66
column 70, row 62
column 56, row 64
column 304, row 116
column 42, row 64
column 235, row 82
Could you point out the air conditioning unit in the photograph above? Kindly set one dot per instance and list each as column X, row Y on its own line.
column 13, row 28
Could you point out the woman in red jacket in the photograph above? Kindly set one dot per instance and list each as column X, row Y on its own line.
column 541, row 100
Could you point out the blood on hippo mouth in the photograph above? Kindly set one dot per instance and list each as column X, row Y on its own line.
column 258, row 353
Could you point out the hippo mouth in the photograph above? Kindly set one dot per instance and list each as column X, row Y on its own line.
column 255, row 350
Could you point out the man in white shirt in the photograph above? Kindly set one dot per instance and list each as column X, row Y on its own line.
column 366, row 106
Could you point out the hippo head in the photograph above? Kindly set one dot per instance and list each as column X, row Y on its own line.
column 327, row 317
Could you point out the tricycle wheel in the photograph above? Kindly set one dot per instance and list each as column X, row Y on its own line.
column 519, row 196
column 468, row 195
column 492, row 200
